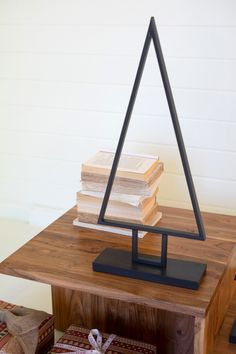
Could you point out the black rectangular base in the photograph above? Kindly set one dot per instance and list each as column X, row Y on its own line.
column 179, row 273
column 232, row 337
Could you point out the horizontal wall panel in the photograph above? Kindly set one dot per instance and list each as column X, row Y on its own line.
column 43, row 216
column 58, row 159
column 73, row 149
column 14, row 210
column 143, row 129
column 204, row 207
column 214, row 134
column 211, row 135
column 66, row 74
column 198, row 104
column 205, row 163
column 37, row 193
column 56, row 172
column 218, row 193
column 190, row 42
column 193, row 74
column 116, row 12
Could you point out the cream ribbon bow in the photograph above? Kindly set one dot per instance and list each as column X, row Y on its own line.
column 96, row 344
column 98, row 348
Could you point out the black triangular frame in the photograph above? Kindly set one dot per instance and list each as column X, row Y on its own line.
column 153, row 35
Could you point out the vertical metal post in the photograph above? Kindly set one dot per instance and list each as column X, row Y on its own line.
column 164, row 245
column 134, row 245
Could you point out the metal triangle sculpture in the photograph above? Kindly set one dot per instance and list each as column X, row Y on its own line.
column 132, row 264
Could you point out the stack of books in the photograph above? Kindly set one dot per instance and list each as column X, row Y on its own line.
column 134, row 193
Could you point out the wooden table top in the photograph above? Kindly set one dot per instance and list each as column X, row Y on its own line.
column 62, row 255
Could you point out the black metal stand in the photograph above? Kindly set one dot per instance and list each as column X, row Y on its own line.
column 158, row 269
column 148, row 267
column 232, row 337
column 177, row 272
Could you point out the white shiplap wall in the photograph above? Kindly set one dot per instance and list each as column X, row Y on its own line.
column 66, row 72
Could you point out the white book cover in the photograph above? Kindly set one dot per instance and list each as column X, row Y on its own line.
column 110, row 229
column 130, row 199
column 116, row 230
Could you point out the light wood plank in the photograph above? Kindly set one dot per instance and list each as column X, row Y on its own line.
column 202, row 104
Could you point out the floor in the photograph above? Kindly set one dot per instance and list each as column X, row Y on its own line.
column 13, row 234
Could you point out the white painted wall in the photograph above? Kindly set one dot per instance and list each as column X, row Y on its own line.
column 66, row 72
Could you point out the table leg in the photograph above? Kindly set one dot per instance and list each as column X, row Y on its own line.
column 199, row 336
column 171, row 332
column 232, row 337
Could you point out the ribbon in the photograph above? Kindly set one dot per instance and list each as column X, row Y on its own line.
column 96, row 344
column 22, row 323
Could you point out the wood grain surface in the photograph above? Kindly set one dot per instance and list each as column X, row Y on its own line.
column 219, row 304
column 222, row 345
column 62, row 255
column 171, row 332
column 185, row 320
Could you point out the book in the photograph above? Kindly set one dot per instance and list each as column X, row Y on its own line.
column 98, row 182
column 90, row 215
column 110, row 229
column 123, row 187
column 119, row 205
column 133, row 196
column 131, row 166
column 116, row 230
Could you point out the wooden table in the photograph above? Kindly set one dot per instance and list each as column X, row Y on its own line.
column 177, row 320
column 222, row 345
